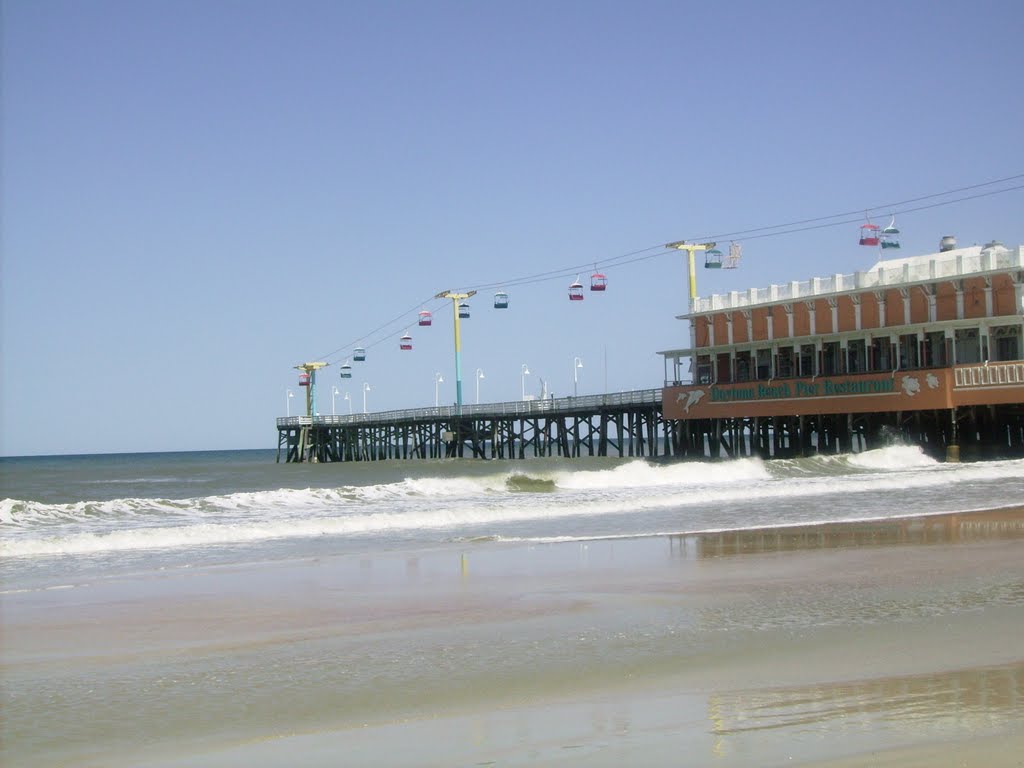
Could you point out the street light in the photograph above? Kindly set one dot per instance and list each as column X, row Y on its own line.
column 349, row 398
column 334, row 391
column 366, row 388
column 576, row 365
column 479, row 375
column 456, row 298
column 522, row 378
column 288, row 401
column 438, row 378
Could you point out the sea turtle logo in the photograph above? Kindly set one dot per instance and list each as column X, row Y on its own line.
column 932, row 381
column 690, row 398
column 911, row 385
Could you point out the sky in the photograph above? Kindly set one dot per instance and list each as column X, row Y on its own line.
column 198, row 196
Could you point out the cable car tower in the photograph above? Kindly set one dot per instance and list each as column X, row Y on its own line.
column 307, row 379
column 692, row 248
column 460, row 310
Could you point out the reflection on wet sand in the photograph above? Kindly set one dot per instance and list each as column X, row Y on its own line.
column 913, row 706
column 931, row 529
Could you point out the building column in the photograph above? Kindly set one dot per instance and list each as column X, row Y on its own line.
column 958, row 286
column 929, row 293
column 833, row 305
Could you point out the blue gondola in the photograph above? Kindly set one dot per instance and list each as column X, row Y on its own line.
column 346, row 371
column 359, row 354
column 713, row 259
column 501, row 300
column 463, row 311
column 890, row 235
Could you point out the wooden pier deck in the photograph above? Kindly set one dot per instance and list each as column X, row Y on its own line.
column 618, row 424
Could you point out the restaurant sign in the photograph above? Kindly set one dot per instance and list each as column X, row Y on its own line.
column 897, row 391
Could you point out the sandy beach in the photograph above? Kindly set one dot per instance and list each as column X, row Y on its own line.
column 894, row 642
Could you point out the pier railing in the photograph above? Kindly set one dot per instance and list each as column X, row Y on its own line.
column 510, row 408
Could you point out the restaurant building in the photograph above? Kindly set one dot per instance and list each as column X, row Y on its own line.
column 928, row 349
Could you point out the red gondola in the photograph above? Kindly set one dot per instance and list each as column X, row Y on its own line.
column 303, row 379
column 869, row 234
column 405, row 342
column 598, row 282
column 426, row 318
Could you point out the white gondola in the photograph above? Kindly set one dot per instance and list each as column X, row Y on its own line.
column 576, row 290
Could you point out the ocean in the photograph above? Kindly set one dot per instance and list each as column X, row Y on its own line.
column 218, row 608
column 71, row 518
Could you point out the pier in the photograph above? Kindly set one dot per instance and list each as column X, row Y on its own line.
column 619, row 424
column 974, row 411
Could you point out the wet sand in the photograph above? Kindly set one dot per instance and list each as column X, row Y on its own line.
column 873, row 643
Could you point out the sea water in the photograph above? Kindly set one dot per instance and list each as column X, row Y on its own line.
column 70, row 519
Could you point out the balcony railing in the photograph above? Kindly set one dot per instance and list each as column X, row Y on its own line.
column 988, row 375
column 510, row 408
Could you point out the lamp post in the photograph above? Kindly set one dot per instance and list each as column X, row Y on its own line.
column 366, row 388
column 479, row 375
column 349, row 398
column 576, row 365
column 438, row 378
column 456, row 298
column 288, row 401
column 334, row 391
column 524, row 372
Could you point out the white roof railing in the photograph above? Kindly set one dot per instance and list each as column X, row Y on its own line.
column 961, row 262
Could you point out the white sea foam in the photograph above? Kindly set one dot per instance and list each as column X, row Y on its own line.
column 714, row 492
column 892, row 458
column 641, row 474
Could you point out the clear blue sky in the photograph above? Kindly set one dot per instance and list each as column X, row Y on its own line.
column 198, row 196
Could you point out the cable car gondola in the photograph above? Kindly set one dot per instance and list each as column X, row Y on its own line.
column 890, row 235
column 345, row 371
column 713, row 259
column 405, row 343
column 426, row 318
column 869, row 234
column 359, row 354
column 598, row 282
column 463, row 311
column 501, row 300
column 576, row 290
column 732, row 261
column 303, row 379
